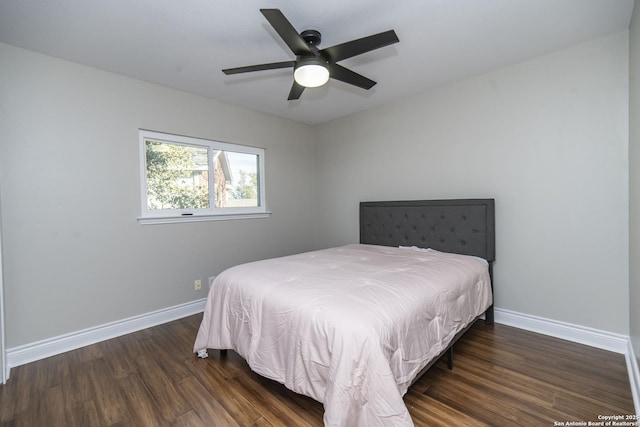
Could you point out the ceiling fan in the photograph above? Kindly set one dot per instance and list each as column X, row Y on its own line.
column 313, row 67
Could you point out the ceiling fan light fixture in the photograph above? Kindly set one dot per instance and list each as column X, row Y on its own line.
column 311, row 73
column 312, row 66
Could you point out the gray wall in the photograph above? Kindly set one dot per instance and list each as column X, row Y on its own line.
column 634, row 181
column 74, row 253
column 547, row 138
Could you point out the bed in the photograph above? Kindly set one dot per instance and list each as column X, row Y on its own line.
column 354, row 326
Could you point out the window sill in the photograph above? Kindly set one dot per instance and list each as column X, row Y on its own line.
column 200, row 218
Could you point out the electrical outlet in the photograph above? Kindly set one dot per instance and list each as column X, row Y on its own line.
column 197, row 285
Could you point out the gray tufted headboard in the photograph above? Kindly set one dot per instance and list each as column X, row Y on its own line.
column 464, row 226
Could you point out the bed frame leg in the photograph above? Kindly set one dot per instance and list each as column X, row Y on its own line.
column 450, row 358
column 488, row 316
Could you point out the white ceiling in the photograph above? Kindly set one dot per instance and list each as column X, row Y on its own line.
column 184, row 44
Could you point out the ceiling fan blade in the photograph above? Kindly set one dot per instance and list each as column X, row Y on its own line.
column 356, row 47
column 259, row 67
column 296, row 91
column 286, row 31
column 338, row 72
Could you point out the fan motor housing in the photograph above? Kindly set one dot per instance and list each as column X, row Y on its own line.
column 311, row 37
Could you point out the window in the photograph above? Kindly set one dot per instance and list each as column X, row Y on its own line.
column 192, row 179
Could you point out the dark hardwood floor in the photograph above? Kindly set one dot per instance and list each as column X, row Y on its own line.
column 502, row 377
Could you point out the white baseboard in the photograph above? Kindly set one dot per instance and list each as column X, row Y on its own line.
column 610, row 341
column 634, row 376
column 39, row 350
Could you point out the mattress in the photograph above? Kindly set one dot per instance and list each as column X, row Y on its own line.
column 349, row 326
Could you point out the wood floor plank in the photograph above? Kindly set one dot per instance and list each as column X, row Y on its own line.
column 119, row 363
column 76, row 386
column 430, row 412
column 172, row 363
column 83, row 415
column 272, row 399
column 262, row 422
column 53, row 409
column 502, row 376
column 489, row 406
column 108, row 398
column 142, row 406
column 227, row 394
column 25, row 389
column 562, row 369
column 477, row 379
column 162, row 390
column 207, row 407
column 189, row 419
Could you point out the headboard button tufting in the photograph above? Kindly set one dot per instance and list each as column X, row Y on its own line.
column 465, row 225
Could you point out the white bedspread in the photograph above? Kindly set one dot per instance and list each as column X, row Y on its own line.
column 349, row 326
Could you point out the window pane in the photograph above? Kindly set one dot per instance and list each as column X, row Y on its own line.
column 192, row 179
column 177, row 176
column 236, row 179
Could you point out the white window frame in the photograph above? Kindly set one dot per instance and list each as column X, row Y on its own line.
column 160, row 216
